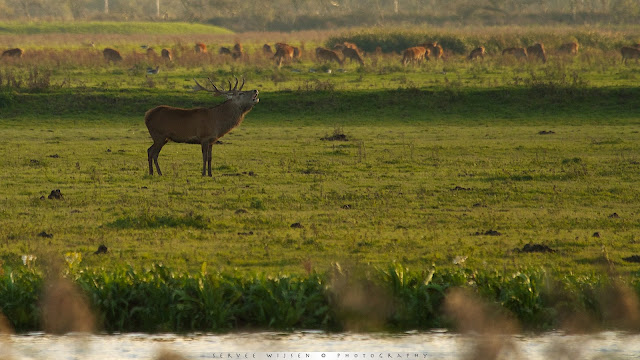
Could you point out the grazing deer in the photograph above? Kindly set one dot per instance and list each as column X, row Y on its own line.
column 435, row 51
column 537, row 50
column 16, row 52
column 266, row 49
column 352, row 54
column 413, row 55
column 200, row 125
column 283, row 52
column 569, row 48
column 111, row 55
column 237, row 51
column 323, row 54
column 166, row 54
column 200, row 48
column 629, row 53
column 518, row 53
column 477, row 53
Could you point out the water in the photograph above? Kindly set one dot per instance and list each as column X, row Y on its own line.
column 430, row 345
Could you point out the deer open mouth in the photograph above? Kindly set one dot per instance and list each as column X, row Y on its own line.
column 255, row 97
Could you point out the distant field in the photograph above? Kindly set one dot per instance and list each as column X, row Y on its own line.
column 117, row 28
column 449, row 167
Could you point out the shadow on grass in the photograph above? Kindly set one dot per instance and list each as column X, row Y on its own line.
column 149, row 221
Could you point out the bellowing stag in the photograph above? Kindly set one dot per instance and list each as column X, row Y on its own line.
column 111, row 55
column 200, row 125
column 477, row 53
column 16, row 52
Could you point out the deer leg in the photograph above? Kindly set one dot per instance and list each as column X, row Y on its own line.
column 209, row 151
column 150, row 157
column 205, row 157
column 152, row 154
column 157, row 147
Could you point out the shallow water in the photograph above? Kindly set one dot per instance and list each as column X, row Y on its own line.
column 343, row 346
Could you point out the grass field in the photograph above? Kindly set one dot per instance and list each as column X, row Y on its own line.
column 452, row 166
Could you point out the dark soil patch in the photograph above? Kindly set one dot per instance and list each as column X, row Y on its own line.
column 536, row 248
column 335, row 137
column 241, row 211
column 296, row 226
column 54, row 156
column 460, row 188
column 632, row 258
column 45, row 234
column 55, row 194
column 614, row 216
column 596, row 235
column 347, row 206
column 545, row 132
column 488, row 233
column 245, row 233
column 102, row 249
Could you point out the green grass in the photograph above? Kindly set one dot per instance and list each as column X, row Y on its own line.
column 442, row 162
column 104, row 27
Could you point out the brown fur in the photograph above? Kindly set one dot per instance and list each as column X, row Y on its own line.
column 324, row 55
column 266, row 49
column 202, row 126
column 413, row 55
column 537, row 50
column 16, row 52
column 518, row 53
column 166, row 54
column 111, row 55
column 477, row 53
column 629, row 53
column 353, row 55
column 200, row 48
column 283, row 52
column 569, row 48
column 237, row 51
column 435, row 50
column 151, row 53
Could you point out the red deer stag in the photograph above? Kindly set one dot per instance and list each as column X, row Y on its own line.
column 569, row 48
column 477, row 53
column 200, row 125
column 325, row 55
column 518, row 53
column 537, row 50
column 283, row 52
column 200, row 48
column 413, row 55
column 16, row 52
column 629, row 53
column 166, row 54
column 111, row 55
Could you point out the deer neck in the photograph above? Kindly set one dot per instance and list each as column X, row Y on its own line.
column 228, row 115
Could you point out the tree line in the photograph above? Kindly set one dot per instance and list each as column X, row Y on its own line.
column 288, row 15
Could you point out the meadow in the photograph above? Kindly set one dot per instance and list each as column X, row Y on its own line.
column 419, row 178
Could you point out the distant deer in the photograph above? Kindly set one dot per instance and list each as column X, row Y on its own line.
column 283, row 52
column 413, row 55
column 200, row 48
column 237, row 51
column 629, row 53
column 323, row 54
column 266, row 49
column 518, row 53
column 111, row 55
column 224, row 51
column 151, row 52
column 435, row 50
column 166, row 54
column 569, row 48
column 537, row 50
column 477, row 53
column 353, row 55
column 202, row 126
column 16, row 52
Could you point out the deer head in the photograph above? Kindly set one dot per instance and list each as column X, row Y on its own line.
column 243, row 99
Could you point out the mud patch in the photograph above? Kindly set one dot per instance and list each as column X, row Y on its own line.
column 535, row 248
column 102, row 249
column 546, row 132
column 488, row 233
column 55, row 194
column 296, row 226
column 632, row 258
column 45, row 234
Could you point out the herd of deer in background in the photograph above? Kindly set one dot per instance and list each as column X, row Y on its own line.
column 284, row 53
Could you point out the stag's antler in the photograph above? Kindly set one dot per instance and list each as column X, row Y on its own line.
column 216, row 91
